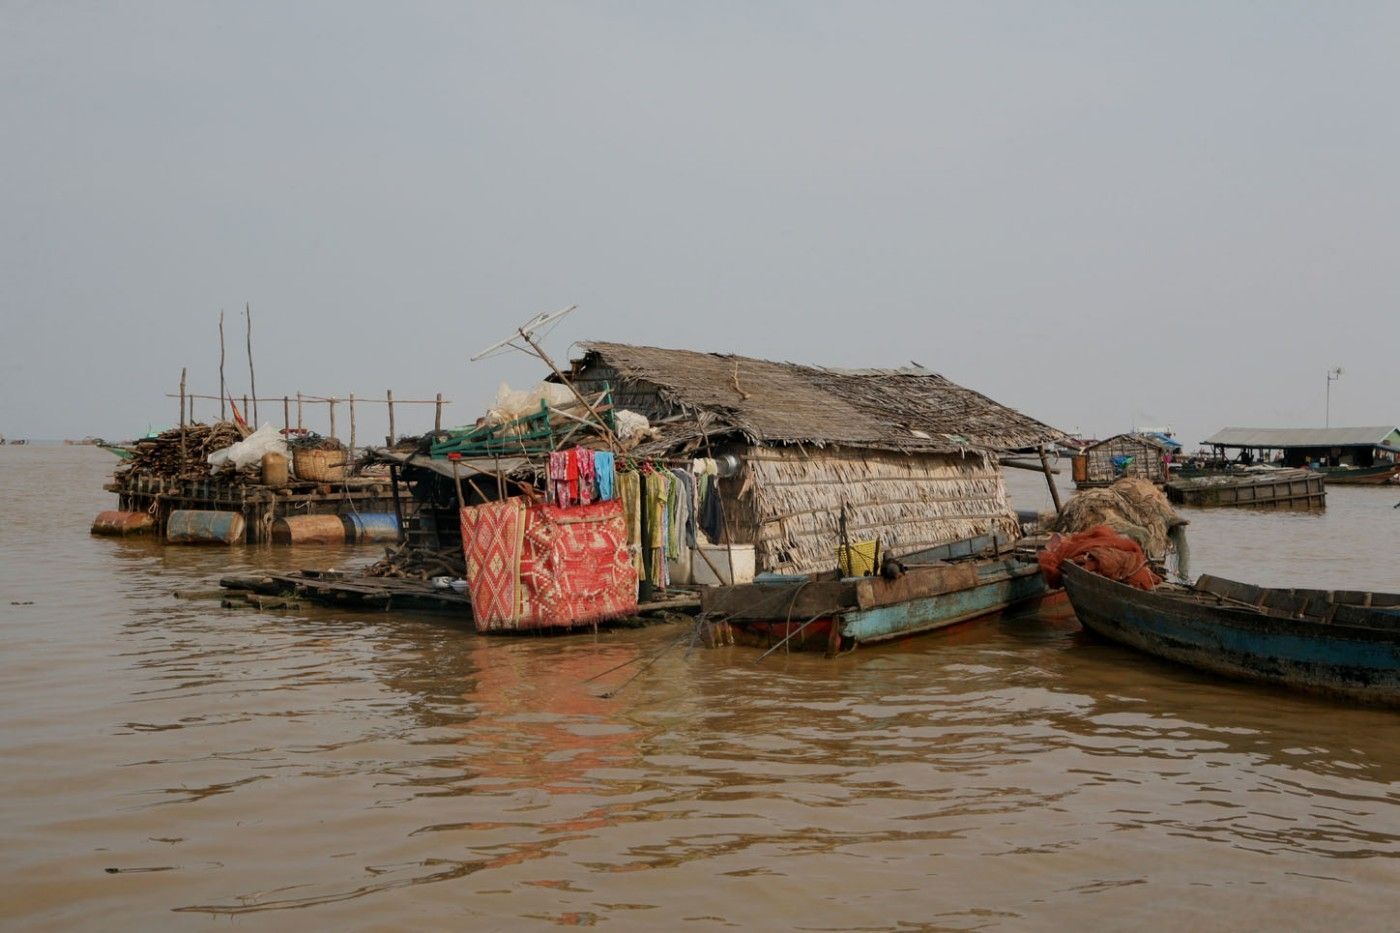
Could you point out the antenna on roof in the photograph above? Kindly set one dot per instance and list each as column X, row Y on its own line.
column 530, row 333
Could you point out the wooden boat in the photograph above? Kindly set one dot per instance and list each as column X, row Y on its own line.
column 1342, row 643
column 1261, row 488
column 943, row 586
column 1376, row 475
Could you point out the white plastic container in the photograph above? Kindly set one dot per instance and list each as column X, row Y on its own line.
column 720, row 555
column 680, row 568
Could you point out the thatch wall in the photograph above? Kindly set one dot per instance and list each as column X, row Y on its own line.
column 787, row 502
column 1148, row 462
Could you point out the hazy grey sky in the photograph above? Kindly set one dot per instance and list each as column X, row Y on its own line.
column 1105, row 214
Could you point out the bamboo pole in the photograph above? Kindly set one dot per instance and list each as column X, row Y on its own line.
column 286, row 417
column 437, row 415
column 332, row 404
column 183, row 452
column 352, row 428
column 299, row 427
column 223, row 387
column 252, row 383
column 389, row 398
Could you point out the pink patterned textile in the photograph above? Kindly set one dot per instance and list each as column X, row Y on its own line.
column 572, row 565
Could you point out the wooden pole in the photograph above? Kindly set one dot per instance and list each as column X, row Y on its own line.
column 389, row 397
column 1050, row 481
column 332, row 407
column 457, row 479
column 223, row 389
column 352, row 427
column 299, row 427
column 286, row 417
column 437, row 415
column 252, row 383
column 183, row 452
column 398, row 503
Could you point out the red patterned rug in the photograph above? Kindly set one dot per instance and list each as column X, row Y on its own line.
column 545, row 566
column 581, row 570
column 493, row 542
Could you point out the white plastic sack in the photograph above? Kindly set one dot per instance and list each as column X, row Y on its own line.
column 249, row 451
column 631, row 424
column 511, row 405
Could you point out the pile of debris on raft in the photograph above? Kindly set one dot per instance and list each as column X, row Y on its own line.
column 418, row 563
column 161, row 455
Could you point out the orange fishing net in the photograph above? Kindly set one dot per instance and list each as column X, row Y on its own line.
column 1100, row 550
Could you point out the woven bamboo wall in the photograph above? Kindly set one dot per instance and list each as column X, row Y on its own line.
column 1147, row 459
column 787, row 502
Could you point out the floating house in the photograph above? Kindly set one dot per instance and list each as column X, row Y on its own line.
column 1120, row 456
column 908, row 456
column 1363, row 455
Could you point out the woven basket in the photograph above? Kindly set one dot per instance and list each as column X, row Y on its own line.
column 319, row 466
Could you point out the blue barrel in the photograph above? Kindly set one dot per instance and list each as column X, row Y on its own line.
column 194, row 526
column 371, row 526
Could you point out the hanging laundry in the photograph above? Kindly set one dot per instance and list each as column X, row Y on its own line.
column 687, row 505
column 560, row 491
column 712, row 507
column 654, row 509
column 629, row 490
column 583, row 466
column 604, row 473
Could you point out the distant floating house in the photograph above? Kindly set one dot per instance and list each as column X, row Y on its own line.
column 1120, row 456
column 1345, row 455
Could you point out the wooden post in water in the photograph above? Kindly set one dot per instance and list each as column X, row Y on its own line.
column 183, row 452
column 1050, row 480
column 389, row 397
column 437, row 416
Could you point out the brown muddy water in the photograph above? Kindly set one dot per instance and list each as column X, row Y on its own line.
column 172, row 765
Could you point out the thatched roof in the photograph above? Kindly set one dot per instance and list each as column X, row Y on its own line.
column 788, row 403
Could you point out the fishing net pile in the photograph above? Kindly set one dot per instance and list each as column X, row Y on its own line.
column 1134, row 507
column 1098, row 550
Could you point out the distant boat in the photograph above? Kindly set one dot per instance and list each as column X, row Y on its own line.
column 1336, row 642
column 1376, row 475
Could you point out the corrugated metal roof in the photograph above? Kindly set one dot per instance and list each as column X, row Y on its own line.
column 1301, row 437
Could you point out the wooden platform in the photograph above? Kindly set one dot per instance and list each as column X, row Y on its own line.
column 259, row 505
column 333, row 588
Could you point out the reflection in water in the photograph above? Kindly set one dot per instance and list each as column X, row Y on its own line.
column 369, row 769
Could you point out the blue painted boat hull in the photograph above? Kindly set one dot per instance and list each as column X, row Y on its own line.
column 990, row 596
column 1357, row 661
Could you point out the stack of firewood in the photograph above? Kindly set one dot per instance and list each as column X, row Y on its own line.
column 161, row 455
